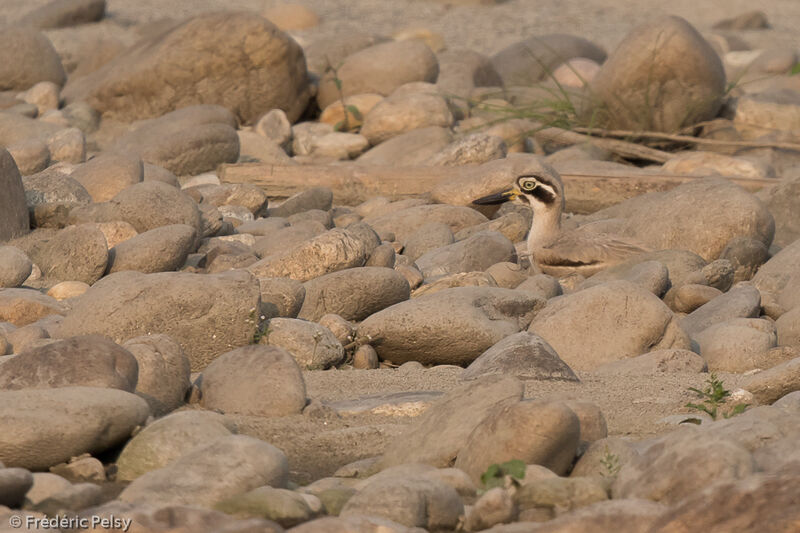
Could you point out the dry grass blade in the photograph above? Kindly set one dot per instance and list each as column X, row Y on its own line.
column 595, row 132
column 623, row 149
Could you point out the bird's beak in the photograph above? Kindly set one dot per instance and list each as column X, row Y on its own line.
column 497, row 198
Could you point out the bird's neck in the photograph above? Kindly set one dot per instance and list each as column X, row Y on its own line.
column 545, row 228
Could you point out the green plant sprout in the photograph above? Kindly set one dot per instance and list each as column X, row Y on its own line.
column 713, row 396
column 344, row 124
column 510, row 473
column 611, row 464
column 262, row 332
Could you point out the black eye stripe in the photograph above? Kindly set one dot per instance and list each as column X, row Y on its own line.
column 543, row 195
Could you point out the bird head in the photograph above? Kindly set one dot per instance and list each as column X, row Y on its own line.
column 540, row 192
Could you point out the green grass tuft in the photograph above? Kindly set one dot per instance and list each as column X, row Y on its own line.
column 503, row 475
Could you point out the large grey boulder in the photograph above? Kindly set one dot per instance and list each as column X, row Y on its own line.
column 404, row 222
column 190, row 140
column 27, row 57
column 759, row 499
column 788, row 328
column 531, row 60
column 170, row 438
column 281, row 297
column 314, row 198
column 207, row 314
column 452, row 326
column 662, row 76
column 334, row 250
column 40, row 428
column 405, row 111
column 669, row 220
column 414, row 501
column 15, row 267
column 740, row 345
column 14, row 485
column 282, row 506
column 325, row 51
column 281, row 240
column 312, row 345
column 652, row 275
column 75, row 253
column 85, row 361
column 160, row 249
column 540, row 433
column 524, row 356
column 783, row 201
column 367, row 70
column 739, row 302
column 145, row 206
column 240, row 61
column 246, row 195
column 427, row 238
column 437, row 435
column 254, row 380
column 779, row 276
column 411, row 148
column 223, row 468
column 462, row 70
column 53, row 186
column 679, row 465
column 13, row 207
column 605, row 323
column 33, row 155
column 164, row 371
column 107, row 174
column 152, row 204
column 475, row 253
column 354, row 293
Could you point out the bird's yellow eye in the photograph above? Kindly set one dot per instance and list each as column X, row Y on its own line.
column 528, row 185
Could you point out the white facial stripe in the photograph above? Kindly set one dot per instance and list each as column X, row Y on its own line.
column 548, row 188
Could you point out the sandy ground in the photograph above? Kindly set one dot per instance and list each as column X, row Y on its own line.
column 634, row 408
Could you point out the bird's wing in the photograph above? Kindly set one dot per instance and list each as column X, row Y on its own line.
column 578, row 248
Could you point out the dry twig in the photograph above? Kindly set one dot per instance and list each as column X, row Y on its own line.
column 599, row 133
column 627, row 150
